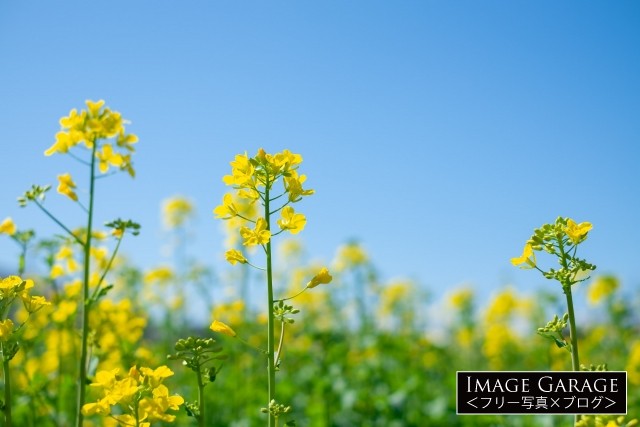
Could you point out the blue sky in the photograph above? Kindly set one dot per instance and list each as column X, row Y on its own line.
column 437, row 133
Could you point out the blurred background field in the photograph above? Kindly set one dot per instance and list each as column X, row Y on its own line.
column 436, row 136
column 363, row 351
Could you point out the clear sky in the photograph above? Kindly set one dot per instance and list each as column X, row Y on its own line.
column 438, row 133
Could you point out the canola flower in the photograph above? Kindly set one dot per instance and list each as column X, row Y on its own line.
column 100, row 132
column 140, row 394
column 176, row 211
column 7, row 226
column 560, row 239
column 266, row 179
column 13, row 288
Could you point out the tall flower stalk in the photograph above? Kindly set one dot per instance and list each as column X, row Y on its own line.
column 94, row 129
column 273, row 181
column 560, row 239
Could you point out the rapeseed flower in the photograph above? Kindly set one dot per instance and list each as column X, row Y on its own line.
column 233, row 256
column 528, row 258
column 175, row 211
column 6, row 329
column 601, row 288
column 222, row 328
column 291, row 221
column 66, row 186
column 577, row 232
column 7, row 226
column 323, row 277
column 258, row 236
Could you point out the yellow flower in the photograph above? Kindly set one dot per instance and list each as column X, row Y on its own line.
column 222, row 328
column 527, row 257
column 323, row 277
column 461, row 298
column 258, row 236
column 577, row 232
column 294, row 222
column 233, row 256
column 105, row 379
column 33, row 303
column 126, row 140
column 241, row 172
column 101, row 407
column 349, row 255
column 156, row 376
column 7, row 226
column 601, row 288
column 227, row 209
column 63, row 311
column 10, row 285
column 175, row 211
column 6, row 329
column 66, row 186
column 64, row 141
column 293, row 186
column 109, row 157
column 94, row 107
column 161, row 275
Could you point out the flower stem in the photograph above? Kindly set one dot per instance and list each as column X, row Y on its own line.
column 7, row 388
column 271, row 365
column 566, row 287
column 86, row 301
column 201, row 422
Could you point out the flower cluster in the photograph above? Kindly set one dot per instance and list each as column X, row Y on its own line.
column 254, row 179
column 13, row 288
column 140, row 395
column 88, row 126
column 176, row 211
column 560, row 239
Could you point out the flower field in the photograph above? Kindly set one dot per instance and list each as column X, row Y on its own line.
column 89, row 339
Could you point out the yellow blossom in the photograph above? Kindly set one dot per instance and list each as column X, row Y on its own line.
column 63, row 311
column 241, row 172
column 33, row 303
column 56, row 271
column 160, row 274
column 233, row 256
column 126, row 140
column 258, row 236
column 461, row 298
column 577, row 232
column 10, row 286
column 175, row 211
column 601, row 288
column 7, row 226
column 156, row 376
column 6, row 329
column 323, row 277
column 227, row 209
column 107, row 157
column 294, row 222
column 527, row 257
column 293, row 186
column 101, row 407
column 351, row 254
column 222, row 328
column 66, row 186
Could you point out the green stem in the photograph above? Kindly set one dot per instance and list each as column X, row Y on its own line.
column 86, row 302
column 575, row 359
column 271, row 365
column 201, row 419
column 106, row 270
column 566, row 287
column 64, row 227
column 7, row 388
